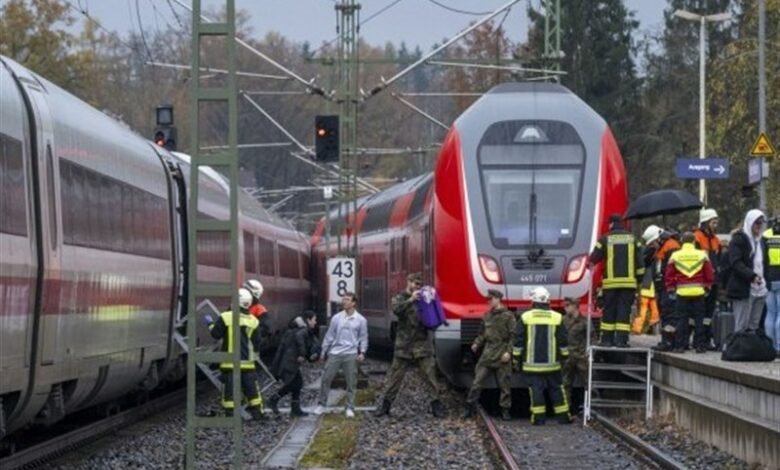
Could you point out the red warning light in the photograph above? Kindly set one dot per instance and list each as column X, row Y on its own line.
column 321, row 132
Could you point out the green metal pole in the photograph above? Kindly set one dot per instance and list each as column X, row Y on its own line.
column 227, row 162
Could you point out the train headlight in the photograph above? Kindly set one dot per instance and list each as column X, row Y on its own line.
column 576, row 269
column 490, row 269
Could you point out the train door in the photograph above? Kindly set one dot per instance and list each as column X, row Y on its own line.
column 48, row 188
column 178, row 195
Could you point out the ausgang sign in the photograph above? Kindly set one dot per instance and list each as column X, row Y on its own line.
column 702, row 168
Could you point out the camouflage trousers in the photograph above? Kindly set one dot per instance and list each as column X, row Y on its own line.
column 503, row 374
column 575, row 371
column 399, row 368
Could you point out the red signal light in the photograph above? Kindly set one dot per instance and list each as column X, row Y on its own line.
column 321, row 132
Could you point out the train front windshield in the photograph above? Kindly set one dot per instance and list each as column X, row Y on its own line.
column 531, row 175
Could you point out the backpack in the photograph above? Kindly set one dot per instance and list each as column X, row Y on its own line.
column 749, row 346
column 429, row 310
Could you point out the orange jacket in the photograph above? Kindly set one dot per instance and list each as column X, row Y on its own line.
column 670, row 245
column 257, row 310
column 705, row 242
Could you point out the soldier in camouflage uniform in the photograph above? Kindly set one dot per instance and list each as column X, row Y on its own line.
column 413, row 349
column 496, row 340
column 575, row 369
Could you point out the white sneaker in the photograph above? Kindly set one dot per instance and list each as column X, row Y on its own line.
column 319, row 410
column 350, row 413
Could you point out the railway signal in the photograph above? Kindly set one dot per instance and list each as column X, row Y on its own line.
column 326, row 138
column 165, row 131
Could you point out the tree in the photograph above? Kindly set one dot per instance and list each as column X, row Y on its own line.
column 35, row 34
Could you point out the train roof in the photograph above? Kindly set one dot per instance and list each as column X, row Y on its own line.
column 529, row 87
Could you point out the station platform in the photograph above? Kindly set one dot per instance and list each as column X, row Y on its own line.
column 734, row 406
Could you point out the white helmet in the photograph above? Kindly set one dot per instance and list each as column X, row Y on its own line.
column 652, row 233
column 540, row 295
column 705, row 215
column 244, row 298
column 255, row 287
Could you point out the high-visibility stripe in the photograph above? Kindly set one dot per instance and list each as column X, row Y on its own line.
column 538, row 409
column 605, row 326
column 610, row 263
column 707, row 321
column 542, row 367
column 622, row 326
column 773, row 247
column 228, row 404
column 565, row 352
column 561, row 409
column 531, row 343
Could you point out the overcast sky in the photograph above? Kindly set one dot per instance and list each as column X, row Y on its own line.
column 418, row 22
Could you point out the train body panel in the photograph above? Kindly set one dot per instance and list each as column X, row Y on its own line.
column 94, row 279
column 524, row 184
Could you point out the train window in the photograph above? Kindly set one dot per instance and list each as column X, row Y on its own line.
column 52, row 197
column 266, row 255
column 373, row 294
column 288, row 263
column 250, row 253
column 404, row 253
column 104, row 213
column 418, row 201
column 393, row 265
column 378, row 217
column 531, row 180
column 306, row 267
column 13, row 200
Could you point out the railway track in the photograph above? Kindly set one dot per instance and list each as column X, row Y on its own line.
column 604, row 445
column 41, row 453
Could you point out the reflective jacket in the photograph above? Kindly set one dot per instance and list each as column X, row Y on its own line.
column 689, row 272
column 622, row 256
column 542, row 342
column 250, row 337
column 771, row 246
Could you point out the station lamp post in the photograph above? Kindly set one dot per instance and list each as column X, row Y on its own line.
column 702, row 20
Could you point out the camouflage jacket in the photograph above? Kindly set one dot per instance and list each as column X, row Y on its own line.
column 577, row 329
column 496, row 336
column 412, row 340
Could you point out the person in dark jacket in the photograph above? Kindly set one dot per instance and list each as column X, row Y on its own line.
column 298, row 344
column 746, row 286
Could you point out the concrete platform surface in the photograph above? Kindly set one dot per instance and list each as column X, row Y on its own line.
column 760, row 375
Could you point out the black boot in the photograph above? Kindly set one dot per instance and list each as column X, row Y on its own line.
column 621, row 339
column 607, row 339
column 384, row 409
column 229, row 412
column 666, row 343
column 505, row 414
column 256, row 412
column 468, row 411
column 273, row 403
column 437, row 409
column 564, row 418
column 296, row 411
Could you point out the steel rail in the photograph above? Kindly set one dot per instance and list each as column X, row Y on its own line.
column 648, row 451
column 503, row 450
column 52, row 448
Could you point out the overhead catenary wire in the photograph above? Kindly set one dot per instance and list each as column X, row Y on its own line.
column 458, row 10
column 141, row 29
column 309, row 84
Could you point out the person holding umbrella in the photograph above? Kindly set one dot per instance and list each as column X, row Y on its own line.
column 621, row 254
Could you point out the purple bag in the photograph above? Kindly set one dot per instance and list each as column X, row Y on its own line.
column 429, row 309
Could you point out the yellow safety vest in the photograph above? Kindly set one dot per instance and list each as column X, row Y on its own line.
column 248, row 324
column 540, row 353
column 773, row 247
column 620, row 271
column 689, row 261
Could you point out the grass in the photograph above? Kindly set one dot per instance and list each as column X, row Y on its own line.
column 334, row 443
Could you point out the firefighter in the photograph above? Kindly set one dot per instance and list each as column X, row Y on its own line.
column 771, row 246
column 540, row 347
column 688, row 277
column 708, row 241
column 647, row 297
column 666, row 304
column 496, row 339
column 222, row 329
column 257, row 309
column 620, row 251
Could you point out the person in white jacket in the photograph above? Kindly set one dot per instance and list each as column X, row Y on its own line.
column 345, row 344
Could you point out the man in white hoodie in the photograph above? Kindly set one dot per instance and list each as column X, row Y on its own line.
column 746, row 286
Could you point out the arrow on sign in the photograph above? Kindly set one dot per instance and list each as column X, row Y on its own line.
column 720, row 169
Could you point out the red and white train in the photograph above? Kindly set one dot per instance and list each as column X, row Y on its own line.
column 524, row 184
column 93, row 254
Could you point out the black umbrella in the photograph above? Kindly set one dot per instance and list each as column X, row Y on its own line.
column 663, row 202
